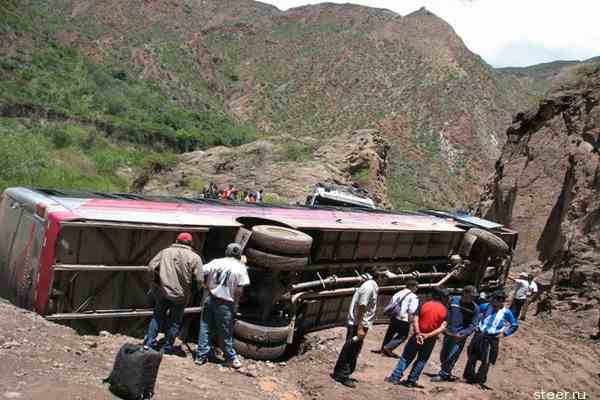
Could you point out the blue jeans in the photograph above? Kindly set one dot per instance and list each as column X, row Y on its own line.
column 412, row 350
column 217, row 320
column 167, row 315
column 451, row 350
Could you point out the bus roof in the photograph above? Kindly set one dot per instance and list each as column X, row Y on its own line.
column 121, row 208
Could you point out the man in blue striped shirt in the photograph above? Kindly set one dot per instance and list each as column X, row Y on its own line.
column 496, row 321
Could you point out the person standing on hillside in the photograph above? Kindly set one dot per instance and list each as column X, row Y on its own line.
column 525, row 288
column 360, row 319
column 428, row 324
column 173, row 270
column 463, row 316
column 224, row 278
column 597, row 335
column 402, row 307
column 495, row 321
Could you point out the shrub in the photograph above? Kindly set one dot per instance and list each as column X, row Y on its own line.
column 362, row 176
column 197, row 184
column 22, row 158
column 155, row 163
column 295, row 151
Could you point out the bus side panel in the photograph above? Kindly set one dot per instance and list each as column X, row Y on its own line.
column 24, row 259
column 10, row 216
column 48, row 255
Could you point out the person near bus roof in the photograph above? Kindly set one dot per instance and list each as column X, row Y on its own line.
column 463, row 317
column 173, row 270
column 495, row 321
column 224, row 278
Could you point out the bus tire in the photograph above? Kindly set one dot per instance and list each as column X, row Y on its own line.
column 280, row 240
column 261, row 334
column 494, row 244
column 258, row 351
column 275, row 262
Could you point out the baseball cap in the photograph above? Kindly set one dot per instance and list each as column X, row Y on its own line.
column 184, row 237
column 233, row 250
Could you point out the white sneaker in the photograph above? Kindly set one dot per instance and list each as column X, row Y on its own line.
column 235, row 363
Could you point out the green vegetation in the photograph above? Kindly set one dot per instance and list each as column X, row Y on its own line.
column 402, row 186
column 72, row 123
column 295, row 151
column 272, row 198
column 62, row 81
column 362, row 176
column 197, row 184
column 67, row 156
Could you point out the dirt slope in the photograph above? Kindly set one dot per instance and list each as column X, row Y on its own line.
column 44, row 361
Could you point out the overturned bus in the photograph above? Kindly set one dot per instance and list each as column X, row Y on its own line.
column 80, row 258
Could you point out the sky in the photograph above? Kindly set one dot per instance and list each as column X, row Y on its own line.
column 507, row 32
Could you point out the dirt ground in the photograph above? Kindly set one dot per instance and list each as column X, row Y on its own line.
column 42, row 360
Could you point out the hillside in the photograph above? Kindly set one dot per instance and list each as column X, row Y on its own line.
column 547, row 184
column 155, row 78
column 544, row 77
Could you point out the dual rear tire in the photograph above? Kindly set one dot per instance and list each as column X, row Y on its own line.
column 272, row 249
column 278, row 248
column 260, row 342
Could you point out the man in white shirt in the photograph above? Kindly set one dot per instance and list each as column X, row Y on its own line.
column 360, row 319
column 224, row 278
column 406, row 303
column 525, row 288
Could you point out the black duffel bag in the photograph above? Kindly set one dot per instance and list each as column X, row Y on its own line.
column 134, row 374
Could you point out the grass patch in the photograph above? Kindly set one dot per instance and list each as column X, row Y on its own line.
column 70, row 157
column 295, row 151
column 362, row 176
column 63, row 81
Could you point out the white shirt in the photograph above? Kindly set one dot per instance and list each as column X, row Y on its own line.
column 409, row 305
column 365, row 295
column 223, row 276
column 525, row 289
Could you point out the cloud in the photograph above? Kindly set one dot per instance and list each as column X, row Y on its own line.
column 508, row 32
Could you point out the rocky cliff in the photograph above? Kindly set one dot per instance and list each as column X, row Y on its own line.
column 547, row 182
column 286, row 167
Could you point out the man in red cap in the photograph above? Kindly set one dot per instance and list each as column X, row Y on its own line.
column 173, row 270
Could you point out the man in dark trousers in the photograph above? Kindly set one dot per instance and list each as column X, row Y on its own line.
column 360, row 320
column 173, row 270
column 495, row 321
column 428, row 324
column 225, row 279
column 463, row 316
column 406, row 303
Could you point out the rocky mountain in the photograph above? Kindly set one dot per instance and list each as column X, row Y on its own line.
column 187, row 75
column 544, row 77
column 547, row 182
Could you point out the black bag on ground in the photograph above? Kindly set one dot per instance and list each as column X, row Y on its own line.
column 134, row 373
